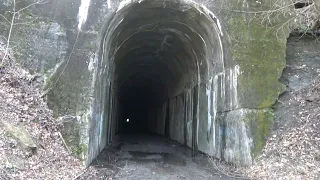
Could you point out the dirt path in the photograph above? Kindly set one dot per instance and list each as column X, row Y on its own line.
column 150, row 157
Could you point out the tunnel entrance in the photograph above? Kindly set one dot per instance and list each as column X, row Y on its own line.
column 160, row 51
column 161, row 63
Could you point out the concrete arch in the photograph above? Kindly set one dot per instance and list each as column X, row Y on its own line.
column 165, row 65
column 186, row 33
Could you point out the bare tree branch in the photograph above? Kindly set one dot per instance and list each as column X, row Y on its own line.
column 38, row 2
column 12, row 23
column 26, row 23
column 10, row 32
column 5, row 18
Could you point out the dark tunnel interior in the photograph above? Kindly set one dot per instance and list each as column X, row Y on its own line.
column 150, row 71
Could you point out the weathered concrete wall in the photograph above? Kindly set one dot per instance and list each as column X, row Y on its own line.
column 222, row 109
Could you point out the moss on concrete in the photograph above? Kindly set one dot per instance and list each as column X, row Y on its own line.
column 259, row 124
column 79, row 151
column 261, row 57
column 259, row 48
column 72, row 134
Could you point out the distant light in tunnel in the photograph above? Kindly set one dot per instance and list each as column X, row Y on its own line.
column 128, row 120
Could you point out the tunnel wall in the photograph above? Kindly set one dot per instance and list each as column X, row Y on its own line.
column 216, row 97
column 232, row 113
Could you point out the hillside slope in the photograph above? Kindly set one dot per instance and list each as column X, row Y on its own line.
column 293, row 149
column 22, row 108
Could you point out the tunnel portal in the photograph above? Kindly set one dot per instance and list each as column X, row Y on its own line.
column 202, row 73
column 164, row 68
column 159, row 51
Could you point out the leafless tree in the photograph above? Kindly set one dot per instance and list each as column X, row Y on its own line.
column 12, row 22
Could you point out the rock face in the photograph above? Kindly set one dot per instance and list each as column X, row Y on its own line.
column 302, row 63
column 303, row 68
column 210, row 68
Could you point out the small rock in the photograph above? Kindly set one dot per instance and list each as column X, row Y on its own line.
column 21, row 135
column 8, row 165
column 15, row 163
column 310, row 165
column 311, row 98
column 301, row 170
column 317, row 156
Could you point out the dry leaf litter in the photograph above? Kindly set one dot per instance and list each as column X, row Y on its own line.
column 293, row 150
column 21, row 105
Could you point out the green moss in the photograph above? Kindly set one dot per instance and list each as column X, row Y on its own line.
column 79, row 151
column 84, row 149
column 259, row 49
column 9, row 135
column 259, row 122
column 261, row 58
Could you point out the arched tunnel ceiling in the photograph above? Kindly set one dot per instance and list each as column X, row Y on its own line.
column 165, row 47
